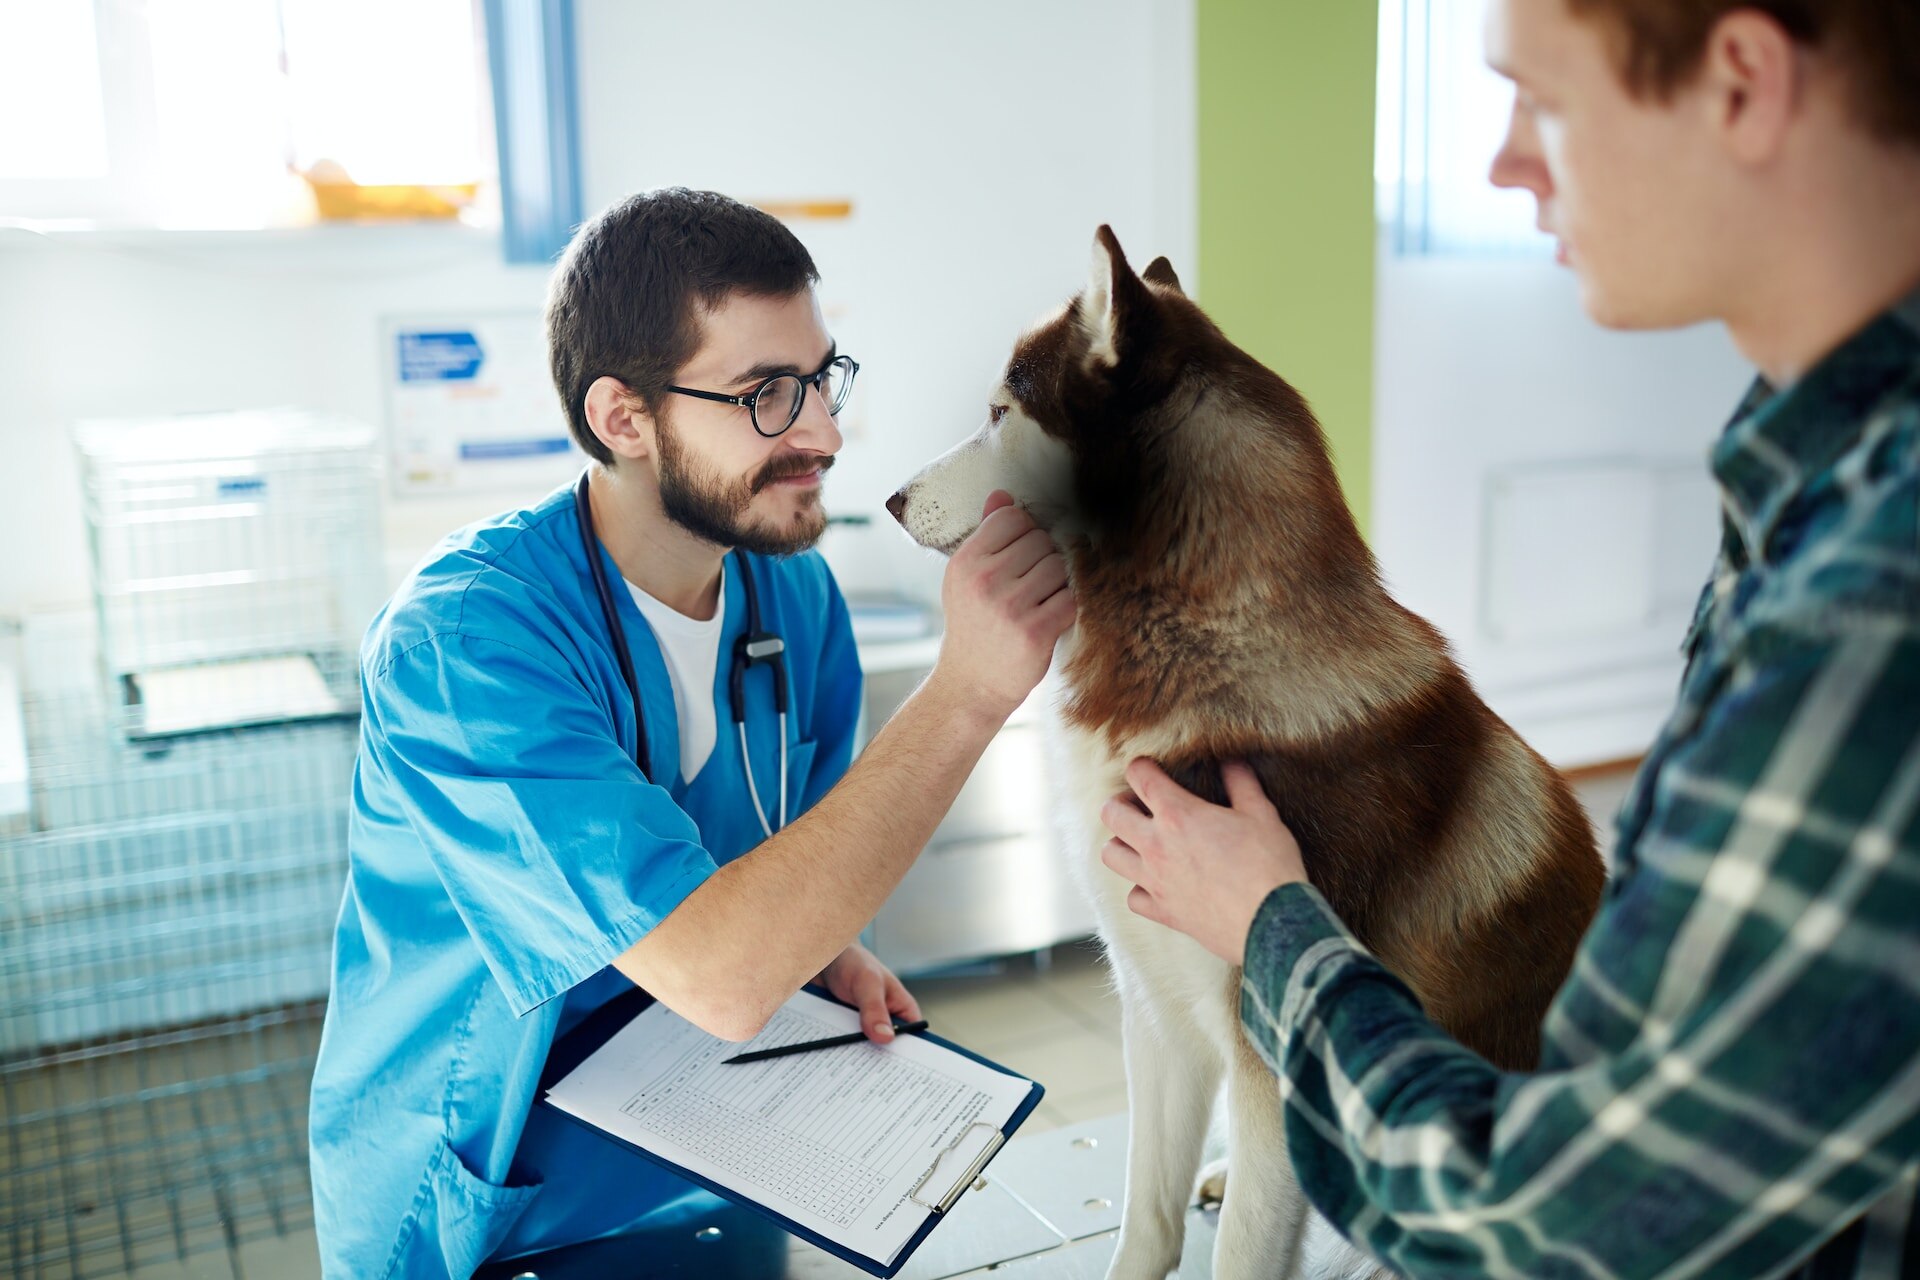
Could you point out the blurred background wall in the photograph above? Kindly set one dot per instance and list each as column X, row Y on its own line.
column 979, row 149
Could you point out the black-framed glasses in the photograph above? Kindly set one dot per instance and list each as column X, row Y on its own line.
column 775, row 404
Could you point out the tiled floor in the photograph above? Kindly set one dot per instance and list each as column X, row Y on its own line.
column 1054, row 1017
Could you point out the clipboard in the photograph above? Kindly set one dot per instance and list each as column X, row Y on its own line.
column 934, row 1192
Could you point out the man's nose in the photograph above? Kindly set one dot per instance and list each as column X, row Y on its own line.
column 897, row 506
column 1518, row 162
column 1512, row 169
column 816, row 419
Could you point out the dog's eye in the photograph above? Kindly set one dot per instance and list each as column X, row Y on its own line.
column 995, row 412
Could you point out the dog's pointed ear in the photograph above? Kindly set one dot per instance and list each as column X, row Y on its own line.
column 1113, row 299
column 1160, row 272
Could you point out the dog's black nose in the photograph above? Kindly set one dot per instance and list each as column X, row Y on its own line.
column 897, row 505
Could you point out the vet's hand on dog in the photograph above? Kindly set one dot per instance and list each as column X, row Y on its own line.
column 1007, row 602
column 1200, row 868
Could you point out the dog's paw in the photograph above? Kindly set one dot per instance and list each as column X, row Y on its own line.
column 1212, row 1190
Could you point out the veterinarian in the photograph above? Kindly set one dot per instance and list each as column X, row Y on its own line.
column 526, row 842
column 1730, row 1082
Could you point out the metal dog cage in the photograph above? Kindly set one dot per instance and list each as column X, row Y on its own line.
column 235, row 560
column 168, row 895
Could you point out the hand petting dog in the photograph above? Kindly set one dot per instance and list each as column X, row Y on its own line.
column 1202, row 869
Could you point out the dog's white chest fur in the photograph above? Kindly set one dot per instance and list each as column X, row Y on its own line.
column 1181, row 1025
column 1155, row 966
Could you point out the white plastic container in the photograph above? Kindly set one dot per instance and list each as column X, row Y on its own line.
column 232, row 536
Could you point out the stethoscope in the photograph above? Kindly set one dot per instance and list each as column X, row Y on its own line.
column 753, row 648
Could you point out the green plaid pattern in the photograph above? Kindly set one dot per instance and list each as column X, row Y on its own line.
column 1730, row 1081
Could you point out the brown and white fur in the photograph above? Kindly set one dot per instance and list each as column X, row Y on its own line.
column 1228, row 609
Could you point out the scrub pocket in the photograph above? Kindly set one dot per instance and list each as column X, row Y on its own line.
column 463, row 1216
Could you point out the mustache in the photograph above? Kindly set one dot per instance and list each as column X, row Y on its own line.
column 791, row 464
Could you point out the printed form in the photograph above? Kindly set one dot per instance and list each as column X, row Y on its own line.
column 835, row 1139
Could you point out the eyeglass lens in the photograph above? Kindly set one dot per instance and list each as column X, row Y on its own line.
column 780, row 400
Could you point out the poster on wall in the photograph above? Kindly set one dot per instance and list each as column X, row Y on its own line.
column 470, row 406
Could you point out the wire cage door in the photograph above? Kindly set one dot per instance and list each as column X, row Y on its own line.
column 167, row 900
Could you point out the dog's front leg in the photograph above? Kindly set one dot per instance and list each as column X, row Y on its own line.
column 1172, row 1073
column 1263, row 1219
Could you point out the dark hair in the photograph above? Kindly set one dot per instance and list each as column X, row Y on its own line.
column 624, row 302
column 1659, row 45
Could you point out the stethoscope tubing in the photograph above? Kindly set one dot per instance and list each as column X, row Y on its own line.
column 756, row 646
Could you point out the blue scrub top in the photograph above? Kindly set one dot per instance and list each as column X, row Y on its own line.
column 503, row 849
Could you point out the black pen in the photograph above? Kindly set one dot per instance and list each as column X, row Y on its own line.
column 761, row 1055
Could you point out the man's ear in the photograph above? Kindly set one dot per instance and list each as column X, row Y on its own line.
column 1160, row 272
column 1754, row 79
column 619, row 419
column 1114, row 302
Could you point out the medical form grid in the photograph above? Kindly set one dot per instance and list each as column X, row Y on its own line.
column 779, row 1127
column 166, row 914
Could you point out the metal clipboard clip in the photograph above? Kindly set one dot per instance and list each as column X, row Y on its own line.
column 967, row 1175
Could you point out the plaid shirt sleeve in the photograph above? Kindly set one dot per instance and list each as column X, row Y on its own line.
column 1736, row 1053
column 1730, row 1077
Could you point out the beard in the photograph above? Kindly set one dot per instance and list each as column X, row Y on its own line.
column 714, row 509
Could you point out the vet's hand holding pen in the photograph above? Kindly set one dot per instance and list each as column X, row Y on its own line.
column 1200, row 868
column 858, row 978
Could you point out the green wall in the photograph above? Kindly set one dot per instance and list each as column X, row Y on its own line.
column 1286, row 103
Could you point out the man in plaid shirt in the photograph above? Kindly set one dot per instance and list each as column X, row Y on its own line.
column 1730, row 1079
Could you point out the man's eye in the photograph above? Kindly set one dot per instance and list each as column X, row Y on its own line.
column 995, row 412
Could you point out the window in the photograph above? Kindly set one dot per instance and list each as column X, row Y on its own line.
column 50, row 74
column 1441, row 117
column 211, row 113
column 406, row 107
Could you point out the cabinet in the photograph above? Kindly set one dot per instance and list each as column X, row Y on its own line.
column 993, row 879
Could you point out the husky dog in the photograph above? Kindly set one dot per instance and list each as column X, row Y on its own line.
column 1228, row 609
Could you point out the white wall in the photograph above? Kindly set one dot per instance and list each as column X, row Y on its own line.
column 980, row 146
column 1541, row 491
column 127, row 325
